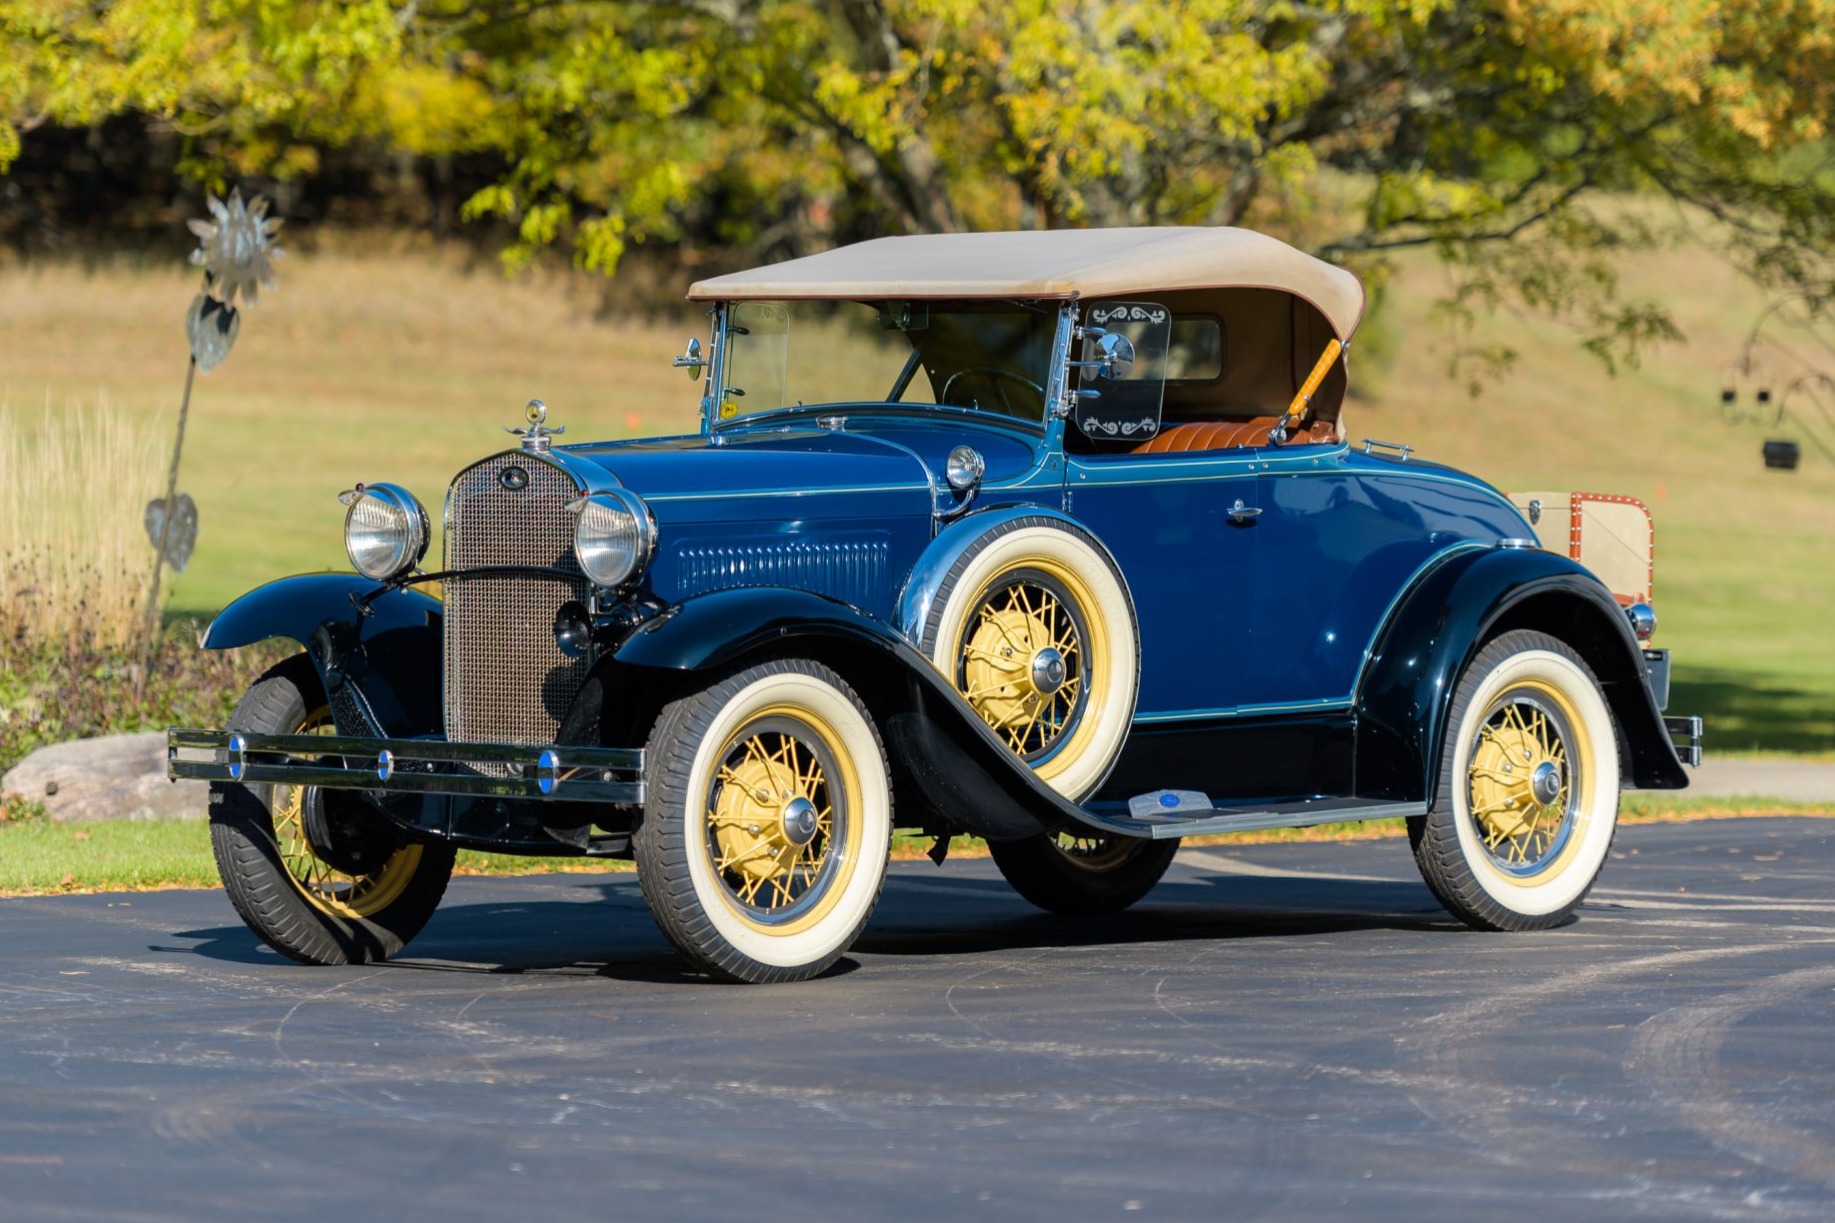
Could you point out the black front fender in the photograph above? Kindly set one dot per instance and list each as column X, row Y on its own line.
column 378, row 654
column 1407, row 687
column 949, row 771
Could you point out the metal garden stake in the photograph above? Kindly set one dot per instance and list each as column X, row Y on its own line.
column 236, row 251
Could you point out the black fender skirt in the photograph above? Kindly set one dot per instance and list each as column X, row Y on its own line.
column 1440, row 624
column 379, row 654
column 947, row 763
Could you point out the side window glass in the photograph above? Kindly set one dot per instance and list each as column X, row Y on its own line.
column 1122, row 387
column 757, row 358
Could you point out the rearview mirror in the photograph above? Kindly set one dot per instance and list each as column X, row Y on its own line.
column 691, row 360
column 1114, row 355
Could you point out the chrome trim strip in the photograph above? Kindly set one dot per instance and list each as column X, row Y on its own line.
column 913, row 487
column 1321, row 704
column 560, row 773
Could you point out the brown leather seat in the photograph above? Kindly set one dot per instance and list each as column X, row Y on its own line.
column 1229, row 434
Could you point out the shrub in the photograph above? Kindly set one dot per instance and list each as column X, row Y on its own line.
column 74, row 689
column 74, row 565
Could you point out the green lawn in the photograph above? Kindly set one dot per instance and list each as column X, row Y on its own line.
column 405, row 365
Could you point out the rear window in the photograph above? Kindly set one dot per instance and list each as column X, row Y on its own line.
column 1195, row 350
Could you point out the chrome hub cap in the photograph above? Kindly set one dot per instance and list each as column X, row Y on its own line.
column 801, row 821
column 1545, row 782
column 1048, row 671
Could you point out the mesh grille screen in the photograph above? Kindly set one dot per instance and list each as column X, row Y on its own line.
column 506, row 679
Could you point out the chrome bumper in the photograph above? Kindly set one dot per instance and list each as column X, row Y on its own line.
column 409, row 766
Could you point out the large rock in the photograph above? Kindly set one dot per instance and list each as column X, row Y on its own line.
column 116, row 777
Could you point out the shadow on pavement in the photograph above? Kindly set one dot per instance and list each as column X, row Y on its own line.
column 919, row 915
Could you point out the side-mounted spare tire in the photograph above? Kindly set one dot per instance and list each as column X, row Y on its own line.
column 1034, row 627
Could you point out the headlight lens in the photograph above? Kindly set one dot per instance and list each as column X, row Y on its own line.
column 614, row 538
column 385, row 530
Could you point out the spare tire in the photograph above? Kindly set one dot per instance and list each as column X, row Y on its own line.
column 1034, row 627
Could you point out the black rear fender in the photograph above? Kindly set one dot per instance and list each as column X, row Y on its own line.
column 1441, row 624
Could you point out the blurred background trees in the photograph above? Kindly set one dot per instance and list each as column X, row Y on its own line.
column 732, row 132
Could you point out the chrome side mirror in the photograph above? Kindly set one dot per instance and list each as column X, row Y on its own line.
column 1114, row 355
column 692, row 360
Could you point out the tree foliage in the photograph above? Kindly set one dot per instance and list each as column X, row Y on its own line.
column 1489, row 130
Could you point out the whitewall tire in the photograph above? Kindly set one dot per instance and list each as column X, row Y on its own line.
column 1527, row 802
column 767, row 822
column 1034, row 627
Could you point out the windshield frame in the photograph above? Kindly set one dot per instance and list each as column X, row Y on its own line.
column 1053, row 383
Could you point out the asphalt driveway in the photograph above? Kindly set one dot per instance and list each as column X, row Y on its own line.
column 1280, row 1032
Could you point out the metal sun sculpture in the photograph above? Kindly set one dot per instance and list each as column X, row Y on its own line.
column 237, row 252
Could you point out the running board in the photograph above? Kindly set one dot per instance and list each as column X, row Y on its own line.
column 1166, row 814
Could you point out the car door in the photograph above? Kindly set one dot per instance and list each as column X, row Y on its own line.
column 1189, row 556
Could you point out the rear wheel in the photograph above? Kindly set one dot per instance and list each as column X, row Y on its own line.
column 1083, row 872
column 767, row 822
column 1527, row 803
column 318, row 875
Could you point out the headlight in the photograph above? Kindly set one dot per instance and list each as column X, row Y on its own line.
column 614, row 538
column 385, row 530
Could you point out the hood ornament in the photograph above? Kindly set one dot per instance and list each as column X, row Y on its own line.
column 537, row 437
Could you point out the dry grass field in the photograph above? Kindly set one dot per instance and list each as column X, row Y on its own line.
column 403, row 364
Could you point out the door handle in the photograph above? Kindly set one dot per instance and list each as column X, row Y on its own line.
column 1244, row 514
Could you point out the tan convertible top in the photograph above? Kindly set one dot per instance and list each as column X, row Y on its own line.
column 1056, row 263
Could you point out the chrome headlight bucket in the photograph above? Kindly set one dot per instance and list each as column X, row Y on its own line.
column 614, row 538
column 385, row 530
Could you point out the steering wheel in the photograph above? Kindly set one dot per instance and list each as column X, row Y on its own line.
column 994, row 373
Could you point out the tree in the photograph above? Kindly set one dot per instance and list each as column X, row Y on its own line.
column 1486, row 130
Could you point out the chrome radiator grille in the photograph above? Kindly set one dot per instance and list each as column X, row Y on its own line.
column 506, row 679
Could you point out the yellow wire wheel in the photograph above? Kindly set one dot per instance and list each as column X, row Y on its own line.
column 336, row 892
column 767, row 822
column 318, row 875
column 780, row 805
column 1528, row 797
column 1035, row 629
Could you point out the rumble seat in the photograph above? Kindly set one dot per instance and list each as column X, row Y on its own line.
column 1229, row 434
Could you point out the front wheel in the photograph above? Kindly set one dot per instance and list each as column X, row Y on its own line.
column 1082, row 872
column 1528, row 797
column 320, row 877
column 767, row 822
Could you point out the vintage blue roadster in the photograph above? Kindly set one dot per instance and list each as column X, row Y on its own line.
column 1054, row 538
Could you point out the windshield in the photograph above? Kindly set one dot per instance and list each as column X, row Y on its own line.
column 987, row 356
